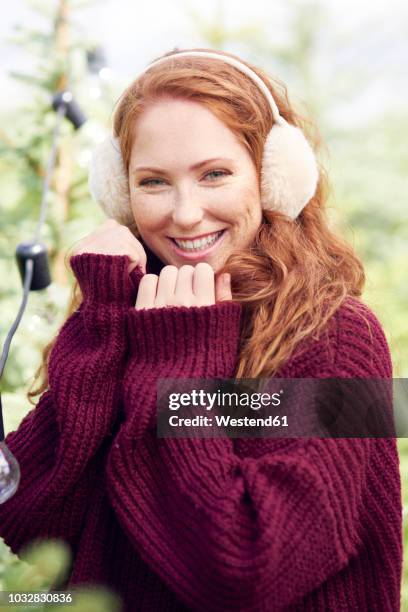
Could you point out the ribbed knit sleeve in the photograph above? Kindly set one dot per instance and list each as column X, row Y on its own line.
column 255, row 533
column 58, row 442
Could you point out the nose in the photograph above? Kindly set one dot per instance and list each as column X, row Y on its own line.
column 187, row 210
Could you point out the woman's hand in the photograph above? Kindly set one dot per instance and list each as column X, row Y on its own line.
column 111, row 238
column 185, row 286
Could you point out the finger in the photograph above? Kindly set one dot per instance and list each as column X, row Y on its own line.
column 146, row 293
column 141, row 255
column 133, row 265
column 139, row 261
column 223, row 287
column 107, row 226
column 203, row 284
column 166, row 286
column 184, row 287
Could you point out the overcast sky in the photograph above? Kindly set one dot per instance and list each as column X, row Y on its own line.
column 133, row 33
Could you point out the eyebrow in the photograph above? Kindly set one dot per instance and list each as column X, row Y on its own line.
column 193, row 167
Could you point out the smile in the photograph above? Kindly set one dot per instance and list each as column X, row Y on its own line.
column 192, row 249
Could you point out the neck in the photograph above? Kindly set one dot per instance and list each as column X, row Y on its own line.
column 154, row 264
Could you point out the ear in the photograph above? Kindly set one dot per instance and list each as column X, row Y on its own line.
column 223, row 288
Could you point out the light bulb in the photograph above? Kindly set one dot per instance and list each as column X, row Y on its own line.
column 9, row 473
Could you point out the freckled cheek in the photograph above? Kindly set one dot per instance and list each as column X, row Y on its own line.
column 244, row 206
column 228, row 202
column 149, row 213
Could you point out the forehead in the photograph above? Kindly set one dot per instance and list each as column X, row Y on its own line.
column 182, row 128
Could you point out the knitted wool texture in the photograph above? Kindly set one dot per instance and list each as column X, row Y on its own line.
column 254, row 525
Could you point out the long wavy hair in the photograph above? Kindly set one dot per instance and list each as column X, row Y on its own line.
column 296, row 273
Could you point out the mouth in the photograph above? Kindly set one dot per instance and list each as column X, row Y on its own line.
column 199, row 247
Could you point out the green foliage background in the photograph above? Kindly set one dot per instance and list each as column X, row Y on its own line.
column 367, row 162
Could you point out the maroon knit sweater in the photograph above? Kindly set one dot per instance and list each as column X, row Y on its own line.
column 201, row 524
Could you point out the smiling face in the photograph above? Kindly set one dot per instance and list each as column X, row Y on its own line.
column 193, row 182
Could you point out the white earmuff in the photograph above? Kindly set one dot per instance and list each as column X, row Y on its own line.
column 108, row 181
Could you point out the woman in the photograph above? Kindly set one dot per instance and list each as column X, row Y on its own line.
column 244, row 279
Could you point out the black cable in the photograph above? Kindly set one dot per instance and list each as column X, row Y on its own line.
column 32, row 260
column 29, row 262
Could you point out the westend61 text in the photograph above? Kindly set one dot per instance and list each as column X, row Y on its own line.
column 228, row 421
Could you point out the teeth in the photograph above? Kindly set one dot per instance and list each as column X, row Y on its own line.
column 200, row 243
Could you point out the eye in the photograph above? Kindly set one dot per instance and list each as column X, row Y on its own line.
column 150, row 182
column 220, row 173
column 156, row 182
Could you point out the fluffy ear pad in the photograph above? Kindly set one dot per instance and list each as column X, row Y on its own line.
column 289, row 171
column 108, row 182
